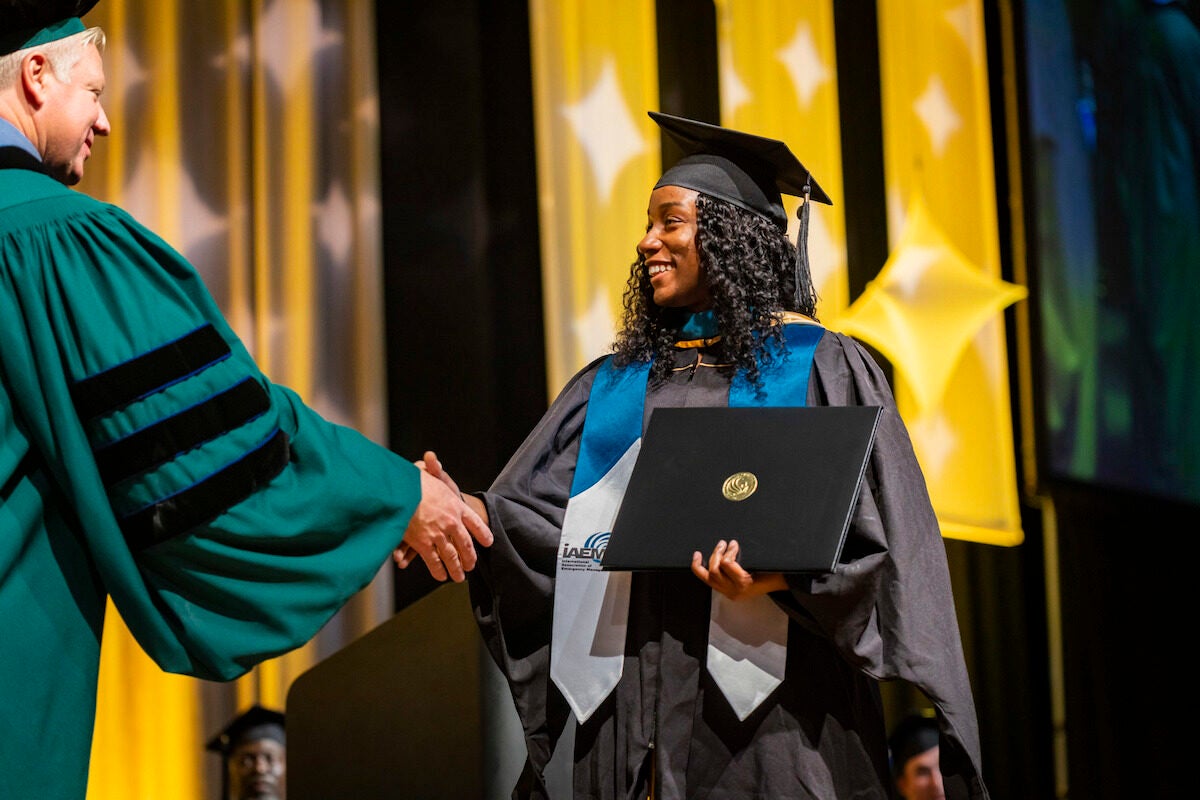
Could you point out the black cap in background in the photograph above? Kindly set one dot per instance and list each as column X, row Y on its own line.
column 255, row 722
column 913, row 735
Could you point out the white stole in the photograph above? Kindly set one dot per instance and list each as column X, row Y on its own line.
column 747, row 639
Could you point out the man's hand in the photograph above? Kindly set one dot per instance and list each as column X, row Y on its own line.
column 724, row 574
column 431, row 464
column 441, row 529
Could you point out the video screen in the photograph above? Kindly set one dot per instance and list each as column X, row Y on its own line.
column 1113, row 178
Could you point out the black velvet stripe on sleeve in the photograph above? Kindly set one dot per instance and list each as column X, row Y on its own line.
column 158, row 443
column 23, row 469
column 208, row 499
column 150, row 372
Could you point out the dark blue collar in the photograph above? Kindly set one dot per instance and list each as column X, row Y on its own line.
column 701, row 325
column 11, row 137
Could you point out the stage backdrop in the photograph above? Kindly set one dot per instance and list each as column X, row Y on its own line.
column 935, row 309
column 245, row 133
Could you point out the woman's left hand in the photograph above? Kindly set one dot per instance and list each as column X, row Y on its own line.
column 724, row 574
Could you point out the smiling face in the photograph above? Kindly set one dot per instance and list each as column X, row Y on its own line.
column 72, row 117
column 670, row 251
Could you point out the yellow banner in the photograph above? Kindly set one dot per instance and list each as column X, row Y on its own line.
column 935, row 308
column 778, row 76
column 595, row 76
column 236, row 185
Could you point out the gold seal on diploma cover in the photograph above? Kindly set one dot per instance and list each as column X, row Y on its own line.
column 739, row 486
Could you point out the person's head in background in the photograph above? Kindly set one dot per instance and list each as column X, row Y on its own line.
column 253, row 749
column 51, row 79
column 915, row 763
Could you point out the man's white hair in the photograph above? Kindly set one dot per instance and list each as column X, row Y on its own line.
column 63, row 54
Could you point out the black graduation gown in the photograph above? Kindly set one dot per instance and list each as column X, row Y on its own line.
column 887, row 613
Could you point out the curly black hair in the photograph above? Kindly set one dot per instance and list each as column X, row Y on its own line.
column 753, row 273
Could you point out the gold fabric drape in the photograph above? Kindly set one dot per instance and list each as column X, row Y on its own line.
column 245, row 133
column 935, row 308
column 595, row 75
column 778, row 74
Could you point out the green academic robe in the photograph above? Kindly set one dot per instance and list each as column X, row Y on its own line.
column 145, row 457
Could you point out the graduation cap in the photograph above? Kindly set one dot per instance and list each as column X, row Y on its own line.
column 913, row 735
column 254, row 723
column 27, row 23
column 750, row 171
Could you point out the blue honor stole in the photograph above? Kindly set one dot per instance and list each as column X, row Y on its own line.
column 591, row 607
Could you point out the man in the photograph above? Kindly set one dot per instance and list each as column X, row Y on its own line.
column 253, row 750
column 915, row 763
column 143, row 454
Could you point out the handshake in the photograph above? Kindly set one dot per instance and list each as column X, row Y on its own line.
column 443, row 526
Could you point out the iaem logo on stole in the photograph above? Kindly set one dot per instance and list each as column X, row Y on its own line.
column 586, row 557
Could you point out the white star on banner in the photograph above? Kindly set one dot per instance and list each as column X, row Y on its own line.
column 197, row 221
column 803, row 63
column 926, row 306
column 734, row 93
column 330, row 407
column 910, row 265
column 335, row 225
column 965, row 23
column 279, row 342
column 603, row 125
column 827, row 257
column 995, row 364
column 937, row 114
column 279, row 44
column 128, row 73
column 367, row 111
column 595, row 329
column 238, row 53
column 936, row 441
column 367, row 213
column 280, row 52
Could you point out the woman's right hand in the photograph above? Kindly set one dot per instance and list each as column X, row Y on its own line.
column 726, row 575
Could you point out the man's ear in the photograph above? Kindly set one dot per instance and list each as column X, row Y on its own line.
column 35, row 74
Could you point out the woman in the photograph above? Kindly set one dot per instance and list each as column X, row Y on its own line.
column 719, row 311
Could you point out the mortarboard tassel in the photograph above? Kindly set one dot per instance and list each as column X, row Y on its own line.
column 802, row 271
